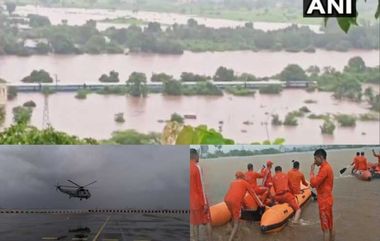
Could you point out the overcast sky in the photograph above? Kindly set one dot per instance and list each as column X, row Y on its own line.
column 128, row 176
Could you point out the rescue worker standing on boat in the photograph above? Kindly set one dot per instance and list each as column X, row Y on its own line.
column 295, row 179
column 324, row 182
column 283, row 194
column 376, row 166
column 355, row 162
column 251, row 177
column 199, row 208
column 267, row 175
column 361, row 165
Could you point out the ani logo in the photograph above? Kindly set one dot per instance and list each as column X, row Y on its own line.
column 329, row 8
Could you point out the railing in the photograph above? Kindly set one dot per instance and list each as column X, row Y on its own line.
column 86, row 211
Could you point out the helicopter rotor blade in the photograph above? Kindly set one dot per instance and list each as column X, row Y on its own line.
column 74, row 183
column 68, row 186
column 89, row 184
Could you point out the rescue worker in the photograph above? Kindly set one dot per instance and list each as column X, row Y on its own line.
column 251, row 177
column 283, row 194
column 324, row 182
column 376, row 155
column 355, row 162
column 375, row 166
column 295, row 179
column 362, row 163
column 199, row 208
column 267, row 175
column 235, row 197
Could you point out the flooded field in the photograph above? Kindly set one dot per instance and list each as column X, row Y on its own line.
column 77, row 16
column 84, row 117
column 356, row 205
column 87, row 68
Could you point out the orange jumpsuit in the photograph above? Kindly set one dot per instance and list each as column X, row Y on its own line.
column 356, row 162
column 251, row 178
column 362, row 163
column 235, row 196
column 198, row 200
column 295, row 179
column 324, row 182
column 267, row 177
column 281, row 187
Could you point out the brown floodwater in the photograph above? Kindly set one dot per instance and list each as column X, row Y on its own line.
column 94, row 116
column 356, row 203
column 88, row 68
column 79, row 16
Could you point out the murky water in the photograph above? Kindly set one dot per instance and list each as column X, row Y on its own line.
column 356, row 207
column 77, row 16
column 94, row 116
column 88, row 68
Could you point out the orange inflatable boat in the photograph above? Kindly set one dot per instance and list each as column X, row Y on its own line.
column 220, row 214
column 276, row 217
column 273, row 219
column 362, row 175
column 374, row 169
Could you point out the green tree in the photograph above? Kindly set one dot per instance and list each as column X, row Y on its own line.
column 62, row 44
column 23, row 134
column 177, row 118
column 36, row 21
column 38, row 76
column 22, row 114
column 348, row 87
column 356, row 65
column 291, row 119
column 328, row 127
column 42, row 48
column 137, row 84
column 112, row 78
column 95, row 45
column 129, row 137
column 276, row 120
column 161, row 77
column 346, row 120
column 224, row 74
column 190, row 77
column 368, row 92
column 293, row 72
column 172, row 87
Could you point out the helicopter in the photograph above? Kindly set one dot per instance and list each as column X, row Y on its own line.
column 76, row 191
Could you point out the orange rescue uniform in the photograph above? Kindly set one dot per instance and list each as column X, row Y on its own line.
column 235, row 196
column 251, row 177
column 295, row 179
column 324, row 182
column 356, row 162
column 198, row 200
column 281, row 187
column 267, row 177
column 362, row 163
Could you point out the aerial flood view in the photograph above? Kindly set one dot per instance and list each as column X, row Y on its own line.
column 167, row 72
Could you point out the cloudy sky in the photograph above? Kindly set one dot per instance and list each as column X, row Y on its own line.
column 127, row 176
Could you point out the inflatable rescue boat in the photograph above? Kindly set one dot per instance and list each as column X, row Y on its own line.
column 374, row 169
column 276, row 217
column 273, row 219
column 362, row 175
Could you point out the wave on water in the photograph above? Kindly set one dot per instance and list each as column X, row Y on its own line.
column 303, row 222
column 343, row 176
